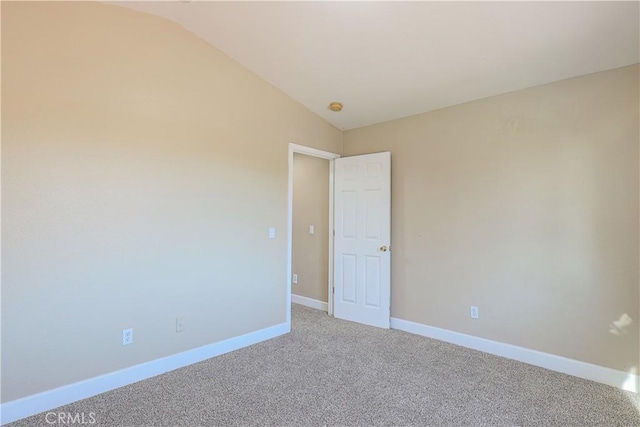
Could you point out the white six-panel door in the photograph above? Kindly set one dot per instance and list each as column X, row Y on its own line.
column 362, row 273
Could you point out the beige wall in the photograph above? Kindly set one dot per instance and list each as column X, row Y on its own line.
column 141, row 171
column 142, row 168
column 525, row 205
column 310, row 253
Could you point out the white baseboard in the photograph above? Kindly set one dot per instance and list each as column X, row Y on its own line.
column 34, row 404
column 620, row 379
column 309, row 302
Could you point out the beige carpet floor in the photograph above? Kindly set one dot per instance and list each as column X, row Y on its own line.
column 336, row 373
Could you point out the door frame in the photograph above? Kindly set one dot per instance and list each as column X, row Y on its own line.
column 313, row 152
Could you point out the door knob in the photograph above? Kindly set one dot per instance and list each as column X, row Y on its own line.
column 384, row 248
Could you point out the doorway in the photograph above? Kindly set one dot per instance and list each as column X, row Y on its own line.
column 357, row 246
column 313, row 231
column 310, row 236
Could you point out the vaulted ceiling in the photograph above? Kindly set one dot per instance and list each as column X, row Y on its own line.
column 385, row 60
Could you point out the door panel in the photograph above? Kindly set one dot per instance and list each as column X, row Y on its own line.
column 349, row 287
column 362, row 238
column 372, row 281
column 349, row 214
column 373, row 216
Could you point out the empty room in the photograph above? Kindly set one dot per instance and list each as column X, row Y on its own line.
column 320, row 213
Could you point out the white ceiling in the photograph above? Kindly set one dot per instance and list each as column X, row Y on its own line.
column 385, row 60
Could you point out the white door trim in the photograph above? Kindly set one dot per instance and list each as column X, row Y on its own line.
column 314, row 152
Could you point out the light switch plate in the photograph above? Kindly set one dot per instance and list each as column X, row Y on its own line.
column 312, row 229
column 272, row 232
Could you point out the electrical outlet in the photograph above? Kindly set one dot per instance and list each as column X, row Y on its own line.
column 295, row 279
column 127, row 336
column 312, row 229
column 474, row 312
column 180, row 324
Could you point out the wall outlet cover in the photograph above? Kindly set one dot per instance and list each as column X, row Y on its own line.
column 474, row 312
column 127, row 336
column 180, row 321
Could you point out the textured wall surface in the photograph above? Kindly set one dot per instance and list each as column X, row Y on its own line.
column 141, row 170
column 525, row 205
